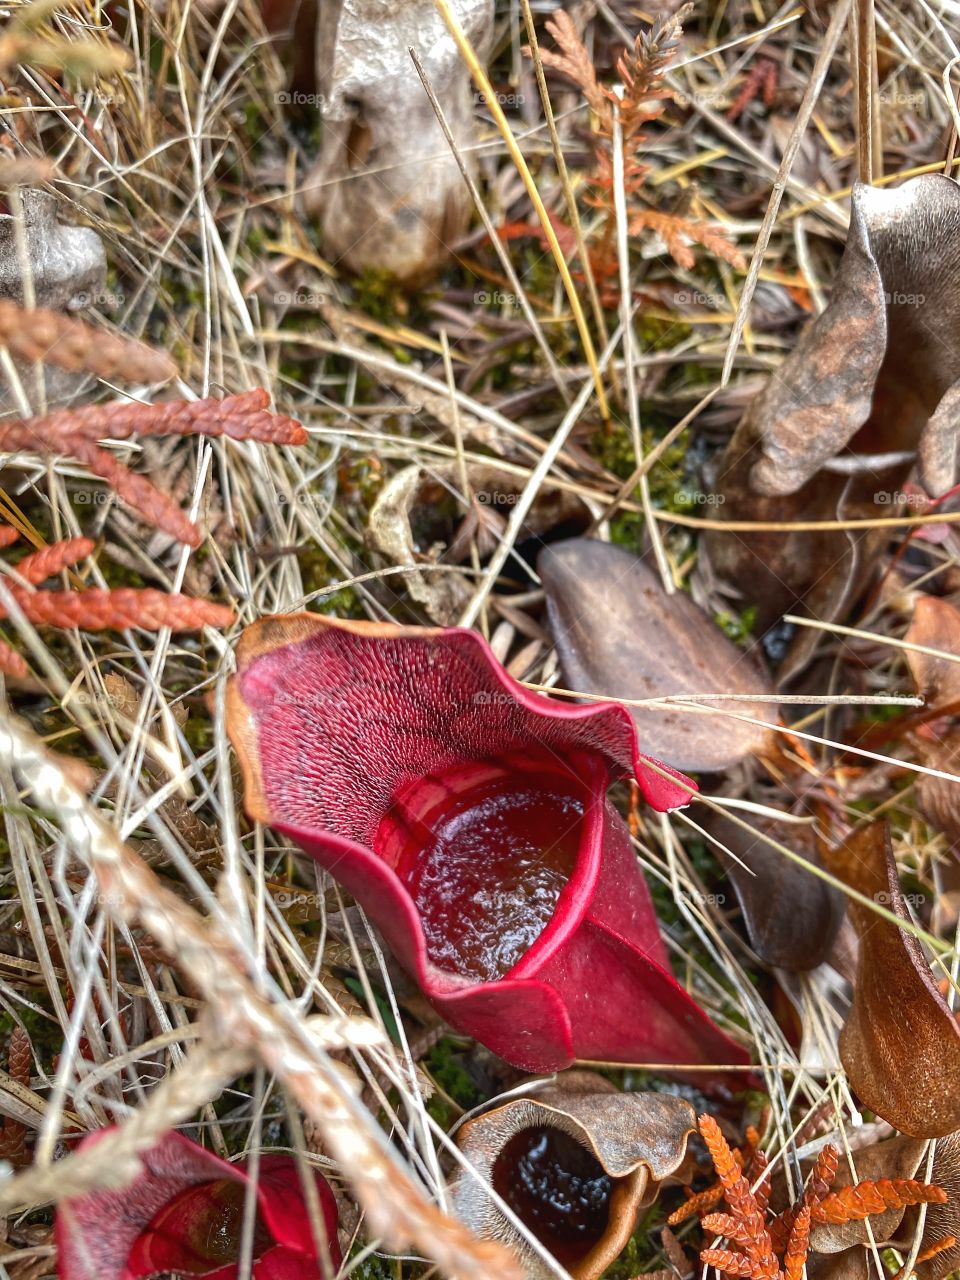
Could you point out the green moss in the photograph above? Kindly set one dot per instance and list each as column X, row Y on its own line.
column 641, row 1248
column 738, row 627
column 446, row 1064
column 377, row 294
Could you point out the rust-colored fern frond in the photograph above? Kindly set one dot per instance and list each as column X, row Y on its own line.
column 853, row 1204
column 728, row 1225
column 754, row 1171
column 642, row 71
column 701, row 1202
column 155, row 507
column 753, row 1234
column 40, row 565
column 732, row 1264
column 822, row 1176
column 788, row 1234
column 69, row 343
column 244, row 416
column 798, row 1244
column 760, row 80
column 75, row 433
column 94, row 608
column 13, row 1134
column 101, row 609
column 572, row 59
column 640, row 99
column 678, row 231
column 818, row 1186
column 698, row 1204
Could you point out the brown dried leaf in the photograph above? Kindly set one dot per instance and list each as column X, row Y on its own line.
column 876, row 373
column 618, row 633
column 936, row 625
column 900, row 1045
column 792, row 916
column 849, row 1264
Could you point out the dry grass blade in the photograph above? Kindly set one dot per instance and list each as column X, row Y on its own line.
column 479, row 75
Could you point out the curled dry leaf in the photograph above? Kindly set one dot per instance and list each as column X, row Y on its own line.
column 574, row 1159
column 792, row 916
column 469, row 816
column 420, row 518
column 619, row 634
column 387, row 188
column 877, row 373
column 936, row 625
column 900, row 1045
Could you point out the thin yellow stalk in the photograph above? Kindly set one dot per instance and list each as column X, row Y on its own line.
column 468, row 53
column 561, row 163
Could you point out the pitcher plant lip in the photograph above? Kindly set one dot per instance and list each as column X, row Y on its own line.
column 672, row 791
column 367, row 752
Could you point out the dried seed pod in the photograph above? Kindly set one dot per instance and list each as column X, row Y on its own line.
column 574, row 1159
